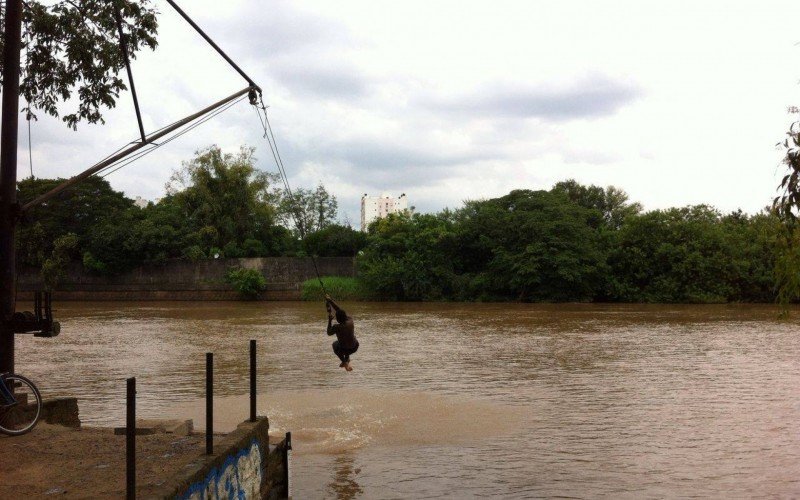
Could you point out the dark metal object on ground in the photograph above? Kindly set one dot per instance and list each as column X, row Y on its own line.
column 130, row 441
column 209, row 403
column 252, row 380
column 39, row 322
column 12, row 38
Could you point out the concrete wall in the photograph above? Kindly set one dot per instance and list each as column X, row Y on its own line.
column 244, row 465
column 179, row 280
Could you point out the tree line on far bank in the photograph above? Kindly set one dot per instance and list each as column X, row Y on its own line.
column 570, row 243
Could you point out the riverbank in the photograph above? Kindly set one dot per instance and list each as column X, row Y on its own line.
column 53, row 460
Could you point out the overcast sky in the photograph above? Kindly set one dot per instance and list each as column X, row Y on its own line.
column 677, row 103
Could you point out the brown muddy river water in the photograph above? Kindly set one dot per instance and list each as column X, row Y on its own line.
column 460, row 401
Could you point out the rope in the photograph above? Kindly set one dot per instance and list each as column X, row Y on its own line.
column 30, row 148
column 276, row 155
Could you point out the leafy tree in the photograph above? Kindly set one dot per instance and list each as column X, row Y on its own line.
column 335, row 241
column 406, row 258
column 54, row 268
column 224, row 201
column 673, row 255
column 753, row 245
column 786, row 206
column 308, row 211
column 77, row 211
column 71, row 49
column 531, row 245
column 611, row 202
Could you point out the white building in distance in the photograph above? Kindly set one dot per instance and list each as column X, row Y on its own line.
column 373, row 208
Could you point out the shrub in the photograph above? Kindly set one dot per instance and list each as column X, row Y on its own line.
column 253, row 248
column 194, row 253
column 248, row 282
column 231, row 250
column 340, row 288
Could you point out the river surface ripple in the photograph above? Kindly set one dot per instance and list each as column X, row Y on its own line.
column 464, row 400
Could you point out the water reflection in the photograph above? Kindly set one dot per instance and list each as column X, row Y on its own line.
column 344, row 485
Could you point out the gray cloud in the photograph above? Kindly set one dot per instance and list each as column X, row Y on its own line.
column 323, row 79
column 379, row 163
column 388, row 154
column 591, row 97
column 282, row 29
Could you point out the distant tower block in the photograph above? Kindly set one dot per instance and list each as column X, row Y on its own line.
column 373, row 208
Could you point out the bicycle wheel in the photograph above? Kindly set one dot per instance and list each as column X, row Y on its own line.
column 22, row 416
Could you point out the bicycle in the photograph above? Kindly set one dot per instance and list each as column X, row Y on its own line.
column 20, row 404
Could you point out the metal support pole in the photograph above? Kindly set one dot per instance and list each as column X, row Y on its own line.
column 124, row 48
column 213, row 44
column 8, row 178
column 252, row 380
column 287, row 459
column 130, row 442
column 209, row 403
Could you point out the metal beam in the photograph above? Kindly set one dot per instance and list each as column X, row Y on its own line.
column 213, row 44
column 124, row 48
column 148, row 140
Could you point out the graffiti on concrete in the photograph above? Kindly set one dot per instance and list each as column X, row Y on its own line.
column 239, row 477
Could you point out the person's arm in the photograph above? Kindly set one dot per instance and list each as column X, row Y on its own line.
column 330, row 301
column 331, row 329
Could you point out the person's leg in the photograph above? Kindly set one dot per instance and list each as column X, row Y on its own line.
column 348, row 352
column 337, row 349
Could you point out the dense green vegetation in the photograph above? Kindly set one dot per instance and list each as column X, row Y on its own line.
column 343, row 288
column 217, row 205
column 248, row 282
column 571, row 243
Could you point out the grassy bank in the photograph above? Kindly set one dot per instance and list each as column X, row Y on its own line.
column 339, row 287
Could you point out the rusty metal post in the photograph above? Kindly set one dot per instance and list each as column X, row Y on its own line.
column 209, row 403
column 287, row 459
column 252, row 380
column 8, row 178
column 130, row 441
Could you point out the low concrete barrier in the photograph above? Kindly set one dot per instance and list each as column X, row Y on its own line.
column 244, row 465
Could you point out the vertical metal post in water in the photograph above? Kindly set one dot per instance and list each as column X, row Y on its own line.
column 8, row 178
column 209, row 403
column 287, row 459
column 252, row 380
column 130, row 441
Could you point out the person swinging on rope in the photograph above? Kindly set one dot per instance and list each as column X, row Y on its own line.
column 346, row 342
